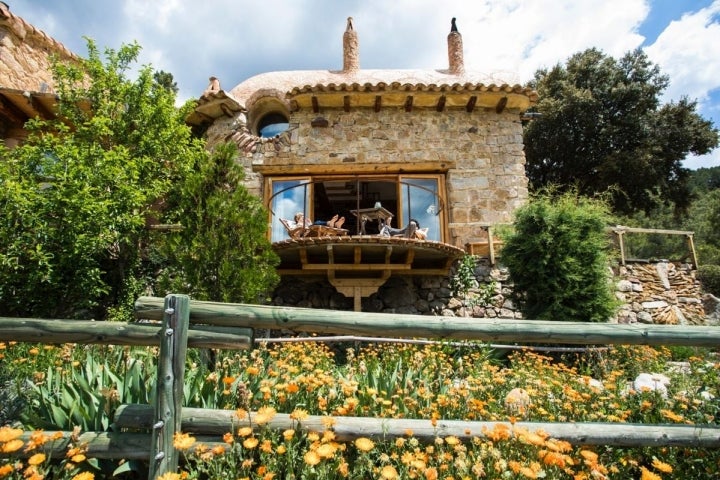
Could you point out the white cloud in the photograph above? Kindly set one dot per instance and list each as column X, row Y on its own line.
column 689, row 52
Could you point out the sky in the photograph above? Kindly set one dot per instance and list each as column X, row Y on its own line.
column 236, row 39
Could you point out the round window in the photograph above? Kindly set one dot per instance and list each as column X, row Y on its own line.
column 271, row 124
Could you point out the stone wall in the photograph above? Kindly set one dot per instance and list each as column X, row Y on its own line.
column 484, row 150
column 662, row 293
column 25, row 54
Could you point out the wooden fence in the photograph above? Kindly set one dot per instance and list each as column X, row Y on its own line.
column 188, row 323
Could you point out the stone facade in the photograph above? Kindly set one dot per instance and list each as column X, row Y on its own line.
column 485, row 186
column 25, row 54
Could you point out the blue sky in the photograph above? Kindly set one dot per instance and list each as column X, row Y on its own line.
column 235, row 39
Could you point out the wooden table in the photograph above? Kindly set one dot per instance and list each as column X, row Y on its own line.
column 375, row 213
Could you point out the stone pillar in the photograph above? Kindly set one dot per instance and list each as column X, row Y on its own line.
column 351, row 48
column 455, row 50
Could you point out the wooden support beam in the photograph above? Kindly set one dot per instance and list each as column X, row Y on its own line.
column 378, row 103
column 441, row 103
column 167, row 418
column 315, row 106
column 409, row 103
column 14, row 115
column 502, row 103
column 471, row 104
column 346, row 103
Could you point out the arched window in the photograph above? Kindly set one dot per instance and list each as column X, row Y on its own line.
column 271, row 124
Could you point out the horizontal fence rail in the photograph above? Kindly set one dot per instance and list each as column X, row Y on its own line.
column 451, row 328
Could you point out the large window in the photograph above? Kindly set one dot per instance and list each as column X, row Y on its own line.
column 419, row 197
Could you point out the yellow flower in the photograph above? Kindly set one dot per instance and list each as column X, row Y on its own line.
column 431, row 474
column 648, row 475
column 281, row 449
column 170, row 476
column 364, row 444
column 266, row 446
column 228, row 438
column 250, row 443
column 7, row 434
column 288, row 434
column 661, row 466
column 37, row 459
column 312, row 458
column 328, row 422
column 326, row 450
column 452, row 440
column 388, row 472
column 245, row 432
column 12, row 446
column 528, row 472
column 252, row 370
column 5, row 470
column 589, row 455
column 84, row 476
column 299, row 414
column 241, row 413
column 264, row 415
column 183, row 441
column 78, row 458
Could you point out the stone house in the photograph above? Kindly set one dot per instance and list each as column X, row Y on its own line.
column 26, row 83
column 443, row 148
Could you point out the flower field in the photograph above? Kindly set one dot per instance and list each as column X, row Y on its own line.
column 390, row 381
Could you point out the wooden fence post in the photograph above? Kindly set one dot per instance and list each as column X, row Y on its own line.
column 169, row 389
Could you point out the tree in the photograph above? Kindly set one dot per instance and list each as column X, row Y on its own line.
column 166, row 80
column 222, row 254
column 76, row 196
column 602, row 128
column 557, row 256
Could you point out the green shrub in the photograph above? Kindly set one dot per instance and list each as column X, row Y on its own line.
column 709, row 276
column 558, row 259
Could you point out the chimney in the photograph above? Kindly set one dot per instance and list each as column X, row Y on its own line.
column 351, row 49
column 455, row 50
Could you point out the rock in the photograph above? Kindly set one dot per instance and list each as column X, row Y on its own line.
column 651, row 382
column 506, row 313
column 517, row 401
column 662, row 271
column 644, row 317
column 628, row 317
column 624, row 286
column 637, row 287
column 454, row 303
column 654, row 305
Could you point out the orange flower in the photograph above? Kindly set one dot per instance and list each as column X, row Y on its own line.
column 5, row 470
column 292, row 388
column 241, row 413
column 288, row 434
column 431, row 474
column 183, row 441
column 343, row 469
column 264, row 415
column 266, row 446
column 245, row 432
column 250, row 443
column 589, row 455
column 326, row 450
column 12, row 446
column 364, row 444
column 228, row 438
column 228, row 380
column 528, row 472
column 37, row 459
column 312, row 458
column 8, row 433
column 252, row 370
column 388, row 472
column 328, row 422
column 648, row 475
column 299, row 414
column 661, row 466
column 83, row 476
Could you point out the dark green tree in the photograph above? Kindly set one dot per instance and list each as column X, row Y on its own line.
column 223, row 253
column 603, row 128
column 166, row 80
column 557, row 256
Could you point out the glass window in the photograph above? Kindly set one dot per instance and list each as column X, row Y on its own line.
column 288, row 198
column 420, row 200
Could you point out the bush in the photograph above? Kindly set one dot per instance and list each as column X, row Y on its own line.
column 709, row 276
column 558, row 259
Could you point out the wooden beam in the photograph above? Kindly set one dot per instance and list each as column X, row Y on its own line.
column 14, row 115
column 315, row 106
column 353, row 169
column 42, row 112
column 346, row 103
column 441, row 103
column 471, row 104
column 356, row 267
column 116, row 333
column 217, row 422
column 408, row 103
column 502, row 103
column 378, row 103
column 404, row 325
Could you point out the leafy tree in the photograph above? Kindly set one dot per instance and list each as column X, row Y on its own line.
column 602, row 128
column 166, row 80
column 223, row 253
column 705, row 179
column 557, row 255
column 76, row 196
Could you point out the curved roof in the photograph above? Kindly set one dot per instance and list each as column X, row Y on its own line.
column 318, row 81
